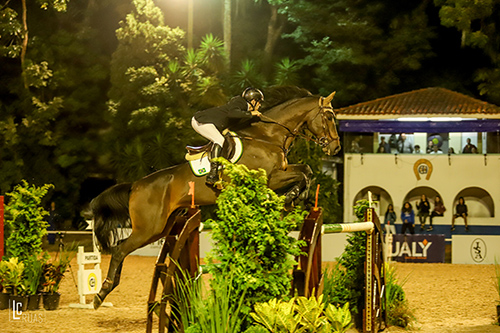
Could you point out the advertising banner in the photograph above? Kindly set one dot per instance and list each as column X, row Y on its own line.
column 418, row 248
column 475, row 249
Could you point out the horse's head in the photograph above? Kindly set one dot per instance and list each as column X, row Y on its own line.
column 322, row 125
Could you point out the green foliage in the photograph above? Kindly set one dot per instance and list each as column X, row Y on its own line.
column 349, row 43
column 342, row 284
column 301, row 314
column 25, row 219
column 156, row 86
column 11, row 276
column 33, row 272
column 213, row 313
column 287, row 73
column 398, row 310
column 477, row 21
column 251, row 237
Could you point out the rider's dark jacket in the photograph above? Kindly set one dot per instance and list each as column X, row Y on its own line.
column 230, row 115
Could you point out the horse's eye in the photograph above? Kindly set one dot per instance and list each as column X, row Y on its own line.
column 329, row 116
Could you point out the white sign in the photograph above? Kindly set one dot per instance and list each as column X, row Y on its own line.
column 475, row 249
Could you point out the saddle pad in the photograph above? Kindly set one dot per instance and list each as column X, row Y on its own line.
column 201, row 165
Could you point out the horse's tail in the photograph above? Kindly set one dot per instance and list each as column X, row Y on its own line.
column 110, row 210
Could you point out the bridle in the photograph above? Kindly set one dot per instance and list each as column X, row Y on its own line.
column 327, row 114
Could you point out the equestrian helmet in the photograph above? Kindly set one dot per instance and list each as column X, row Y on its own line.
column 251, row 94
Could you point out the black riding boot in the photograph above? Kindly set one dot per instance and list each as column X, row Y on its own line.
column 213, row 176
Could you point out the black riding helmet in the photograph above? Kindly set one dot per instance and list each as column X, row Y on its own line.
column 253, row 94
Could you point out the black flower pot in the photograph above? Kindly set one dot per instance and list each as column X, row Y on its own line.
column 34, row 302
column 498, row 313
column 18, row 299
column 51, row 301
column 4, row 301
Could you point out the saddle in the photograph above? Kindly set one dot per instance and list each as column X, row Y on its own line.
column 228, row 150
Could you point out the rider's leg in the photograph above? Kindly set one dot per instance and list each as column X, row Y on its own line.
column 211, row 132
column 213, row 176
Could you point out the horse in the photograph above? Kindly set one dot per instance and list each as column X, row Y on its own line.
column 149, row 205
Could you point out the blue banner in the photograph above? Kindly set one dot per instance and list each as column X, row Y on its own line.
column 418, row 248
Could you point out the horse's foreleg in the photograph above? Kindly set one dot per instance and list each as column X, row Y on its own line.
column 120, row 251
column 295, row 180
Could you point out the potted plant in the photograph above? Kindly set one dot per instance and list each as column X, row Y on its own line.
column 32, row 277
column 4, row 296
column 12, row 281
column 497, row 286
column 52, row 275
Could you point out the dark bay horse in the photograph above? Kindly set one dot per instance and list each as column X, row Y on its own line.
column 148, row 205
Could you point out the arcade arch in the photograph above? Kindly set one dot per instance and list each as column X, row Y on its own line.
column 413, row 197
column 479, row 202
column 378, row 194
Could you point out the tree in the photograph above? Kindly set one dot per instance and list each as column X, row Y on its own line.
column 362, row 47
column 477, row 22
column 50, row 131
column 156, row 86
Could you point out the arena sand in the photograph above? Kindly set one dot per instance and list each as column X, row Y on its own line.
column 445, row 298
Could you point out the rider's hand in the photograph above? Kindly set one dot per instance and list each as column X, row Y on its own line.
column 256, row 113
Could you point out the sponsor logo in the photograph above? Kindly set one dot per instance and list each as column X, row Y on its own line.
column 412, row 250
column 478, row 250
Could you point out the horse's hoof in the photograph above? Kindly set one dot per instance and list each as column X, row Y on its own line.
column 97, row 302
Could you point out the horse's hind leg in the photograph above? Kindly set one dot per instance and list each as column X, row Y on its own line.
column 120, row 251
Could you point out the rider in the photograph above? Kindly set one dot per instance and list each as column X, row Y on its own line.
column 210, row 123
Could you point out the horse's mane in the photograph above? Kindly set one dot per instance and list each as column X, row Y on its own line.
column 280, row 94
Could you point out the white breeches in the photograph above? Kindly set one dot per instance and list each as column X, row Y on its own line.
column 208, row 131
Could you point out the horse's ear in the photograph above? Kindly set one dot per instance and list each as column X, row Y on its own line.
column 328, row 99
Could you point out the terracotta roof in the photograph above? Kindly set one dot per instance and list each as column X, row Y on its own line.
column 422, row 102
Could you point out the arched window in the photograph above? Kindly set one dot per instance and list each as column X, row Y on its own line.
column 378, row 194
column 479, row 202
column 413, row 197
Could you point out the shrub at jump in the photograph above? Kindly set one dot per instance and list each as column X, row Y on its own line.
column 302, row 314
column 251, row 237
column 25, row 220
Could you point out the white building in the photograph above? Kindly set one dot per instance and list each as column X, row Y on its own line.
column 448, row 119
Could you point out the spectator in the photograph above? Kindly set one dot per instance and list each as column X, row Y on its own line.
column 383, row 146
column 438, row 210
column 461, row 211
column 417, row 149
column 408, row 218
column 423, row 210
column 355, row 148
column 390, row 219
column 468, row 148
column 430, row 144
column 436, row 150
column 404, row 145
